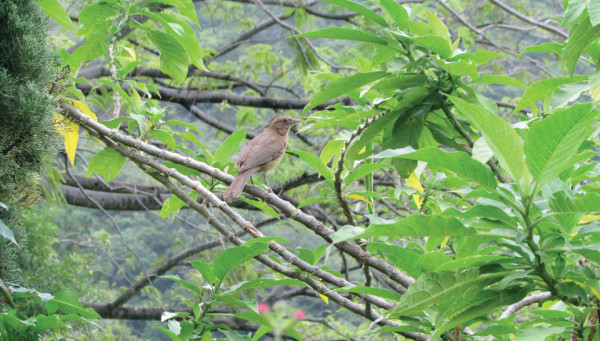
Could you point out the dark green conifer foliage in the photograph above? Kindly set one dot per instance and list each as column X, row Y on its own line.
column 27, row 70
column 27, row 134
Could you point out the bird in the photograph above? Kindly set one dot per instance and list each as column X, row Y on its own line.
column 261, row 154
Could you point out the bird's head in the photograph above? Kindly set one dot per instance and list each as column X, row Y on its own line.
column 282, row 124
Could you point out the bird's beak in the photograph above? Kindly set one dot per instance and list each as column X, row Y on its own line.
column 295, row 121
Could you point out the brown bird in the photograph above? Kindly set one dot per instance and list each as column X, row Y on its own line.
column 261, row 154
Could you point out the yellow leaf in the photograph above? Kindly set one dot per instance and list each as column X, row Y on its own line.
column 70, row 131
column 588, row 218
column 132, row 57
column 324, row 298
column 91, row 272
column 359, row 197
column 364, row 149
column 414, row 182
column 84, row 109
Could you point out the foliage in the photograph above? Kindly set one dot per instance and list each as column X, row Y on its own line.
column 460, row 210
column 27, row 73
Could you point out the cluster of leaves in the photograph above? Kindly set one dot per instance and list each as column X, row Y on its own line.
column 491, row 211
column 475, row 244
column 59, row 311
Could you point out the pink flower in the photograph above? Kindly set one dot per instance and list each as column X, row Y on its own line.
column 300, row 315
column 263, row 307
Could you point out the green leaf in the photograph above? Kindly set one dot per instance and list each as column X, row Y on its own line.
column 173, row 59
column 342, row 86
column 185, row 35
column 443, row 290
column 107, row 163
column 545, row 47
column 538, row 333
column 458, row 162
column 568, row 93
column 230, row 146
column 95, row 45
column 261, row 206
column 363, row 170
column 344, row 34
column 542, row 90
column 431, row 260
column 7, row 233
column 383, row 293
column 164, row 137
column 206, row 270
column 499, row 79
column 594, row 11
column 579, row 39
column 574, row 10
column 314, row 161
column 54, row 10
column 346, row 232
column 561, row 203
column 401, row 257
column 360, row 9
column 69, row 301
column 395, row 10
column 487, row 302
column 235, row 256
column 418, row 225
column 502, row 139
column 172, row 205
column 265, row 282
column 185, row 284
column 552, row 142
column 436, row 44
column 474, row 261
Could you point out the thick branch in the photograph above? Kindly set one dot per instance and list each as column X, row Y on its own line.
column 187, row 98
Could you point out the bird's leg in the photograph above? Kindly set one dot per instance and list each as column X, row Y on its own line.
column 251, row 181
column 267, row 182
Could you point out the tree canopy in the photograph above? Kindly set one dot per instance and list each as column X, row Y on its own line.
column 442, row 183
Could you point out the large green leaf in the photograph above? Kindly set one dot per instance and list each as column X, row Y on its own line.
column 184, row 34
column 54, row 10
column 342, row 86
column 235, row 256
column 313, row 161
column 7, row 233
column 579, row 38
column 418, row 225
column 230, row 146
column 69, row 301
column 594, row 11
column 502, row 139
column 551, row 143
column 185, row 284
column 362, row 171
column 401, row 257
column 499, row 79
column 344, row 34
column 542, row 90
column 441, row 290
column 360, row 9
column 395, row 10
column 173, row 59
column 562, row 203
column 108, row 163
column 458, row 162
column 484, row 306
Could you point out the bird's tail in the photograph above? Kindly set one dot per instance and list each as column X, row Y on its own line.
column 235, row 189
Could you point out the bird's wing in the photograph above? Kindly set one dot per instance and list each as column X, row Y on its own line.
column 260, row 150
